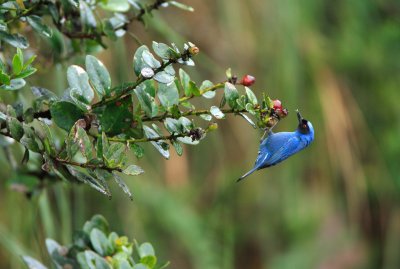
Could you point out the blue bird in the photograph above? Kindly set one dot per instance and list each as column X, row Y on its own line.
column 280, row 146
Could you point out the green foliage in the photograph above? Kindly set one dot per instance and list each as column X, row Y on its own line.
column 12, row 77
column 105, row 123
column 96, row 247
column 74, row 20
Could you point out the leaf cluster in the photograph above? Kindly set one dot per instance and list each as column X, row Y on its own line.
column 95, row 246
column 77, row 20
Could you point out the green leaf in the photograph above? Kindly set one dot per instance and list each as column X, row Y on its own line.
column 55, row 251
column 115, row 5
column 173, row 126
column 168, row 94
column 85, row 145
column 108, row 29
column 72, row 148
column 137, row 150
column 100, row 242
column 181, row 6
column 17, row 63
column 79, row 79
column 4, row 78
column 26, row 72
column 164, row 77
column 94, row 261
column 65, row 114
column 117, row 117
column 207, row 84
column 140, row 266
column 102, row 176
column 138, row 63
column 30, row 61
column 104, row 144
column 15, row 40
column 42, row 92
column 48, row 140
column 241, row 102
column 150, row 133
column 115, row 155
column 146, row 101
column 133, row 170
column 147, row 255
column 186, row 124
column 185, row 79
column 32, row 263
column 217, row 113
column 149, row 59
column 206, row 117
column 250, row 108
column 28, row 115
column 92, row 182
column 122, row 185
column 163, row 50
column 97, row 221
column 178, row 147
column 15, row 84
column 15, row 127
column 252, row 97
column 98, row 75
column 37, row 24
column 30, row 143
column 231, row 94
column 88, row 19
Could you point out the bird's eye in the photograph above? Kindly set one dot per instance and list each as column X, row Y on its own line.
column 304, row 126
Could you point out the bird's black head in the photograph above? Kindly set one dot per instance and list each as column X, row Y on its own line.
column 303, row 127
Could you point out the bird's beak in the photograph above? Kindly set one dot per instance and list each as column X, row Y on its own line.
column 299, row 117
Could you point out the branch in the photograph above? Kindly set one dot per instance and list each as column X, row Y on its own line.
column 87, row 165
column 192, row 113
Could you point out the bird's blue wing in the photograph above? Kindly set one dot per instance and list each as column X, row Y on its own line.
column 292, row 146
column 269, row 145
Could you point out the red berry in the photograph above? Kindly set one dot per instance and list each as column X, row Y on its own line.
column 282, row 112
column 248, row 80
column 277, row 104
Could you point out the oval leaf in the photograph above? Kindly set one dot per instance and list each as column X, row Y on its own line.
column 79, row 79
column 98, row 75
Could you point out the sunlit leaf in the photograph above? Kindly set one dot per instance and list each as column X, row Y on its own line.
column 98, row 75
column 205, row 85
column 252, row 97
column 133, row 170
column 138, row 63
column 231, row 94
column 79, row 79
column 115, row 155
column 216, row 112
column 168, row 94
column 115, row 5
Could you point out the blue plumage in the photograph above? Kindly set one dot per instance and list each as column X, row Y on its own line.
column 280, row 146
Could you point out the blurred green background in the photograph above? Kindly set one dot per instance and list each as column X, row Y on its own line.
column 334, row 205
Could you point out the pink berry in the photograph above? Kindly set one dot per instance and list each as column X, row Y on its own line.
column 248, row 80
column 277, row 104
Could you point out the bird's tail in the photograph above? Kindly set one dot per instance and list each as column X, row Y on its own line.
column 247, row 174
